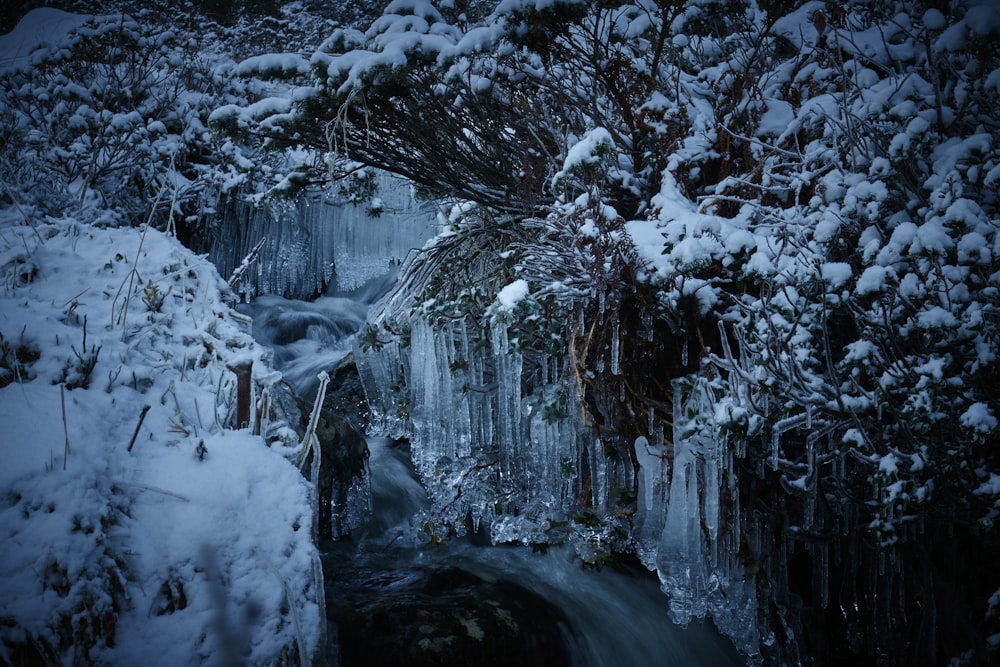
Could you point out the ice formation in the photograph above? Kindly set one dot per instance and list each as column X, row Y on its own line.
column 320, row 241
column 487, row 436
column 501, row 446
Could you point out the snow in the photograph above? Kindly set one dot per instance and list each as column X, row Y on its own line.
column 979, row 417
column 836, row 274
column 39, row 27
column 273, row 62
column 776, row 119
column 585, row 152
column 131, row 503
column 872, row 280
column 991, row 487
column 512, row 294
column 983, row 18
column 934, row 19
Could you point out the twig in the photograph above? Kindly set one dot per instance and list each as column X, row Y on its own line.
column 142, row 416
column 78, row 295
column 156, row 489
column 62, row 399
column 134, row 271
column 263, row 406
column 309, row 442
column 171, row 225
column 245, row 264
column 310, row 434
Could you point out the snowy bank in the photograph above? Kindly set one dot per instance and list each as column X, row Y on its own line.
column 137, row 526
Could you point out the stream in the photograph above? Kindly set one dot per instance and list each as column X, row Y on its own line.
column 393, row 599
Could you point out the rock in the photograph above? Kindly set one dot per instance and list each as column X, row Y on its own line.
column 343, row 476
column 346, row 395
column 441, row 617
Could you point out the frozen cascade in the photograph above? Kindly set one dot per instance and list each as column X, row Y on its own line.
column 490, row 443
column 503, row 447
column 491, row 448
column 319, row 241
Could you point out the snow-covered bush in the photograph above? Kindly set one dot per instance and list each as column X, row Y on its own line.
column 109, row 119
column 851, row 265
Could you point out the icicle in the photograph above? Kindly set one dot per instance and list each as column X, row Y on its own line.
column 678, row 390
column 621, row 392
column 684, row 353
column 652, row 421
column 775, row 448
column 727, row 352
column 711, row 489
column 615, row 348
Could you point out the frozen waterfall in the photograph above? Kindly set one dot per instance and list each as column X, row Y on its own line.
column 497, row 437
column 319, row 243
column 497, row 458
column 485, row 438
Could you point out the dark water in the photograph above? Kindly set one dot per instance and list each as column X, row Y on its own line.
column 610, row 617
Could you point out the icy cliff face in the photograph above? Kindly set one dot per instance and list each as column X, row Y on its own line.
column 320, row 242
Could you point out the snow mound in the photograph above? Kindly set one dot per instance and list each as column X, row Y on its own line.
column 136, row 525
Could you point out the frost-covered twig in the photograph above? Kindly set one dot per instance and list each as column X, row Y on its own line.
column 309, row 443
column 244, row 266
column 310, row 435
column 62, row 400
column 154, row 489
column 130, row 279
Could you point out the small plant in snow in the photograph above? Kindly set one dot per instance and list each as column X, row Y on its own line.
column 76, row 374
column 15, row 360
column 153, row 297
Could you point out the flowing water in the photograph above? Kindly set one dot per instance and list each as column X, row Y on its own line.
column 616, row 616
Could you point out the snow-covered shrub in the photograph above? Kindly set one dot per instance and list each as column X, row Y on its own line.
column 857, row 284
column 110, row 119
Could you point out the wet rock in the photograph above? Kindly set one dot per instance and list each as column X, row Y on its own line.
column 346, row 395
column 441, row 617
column 343, row 475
